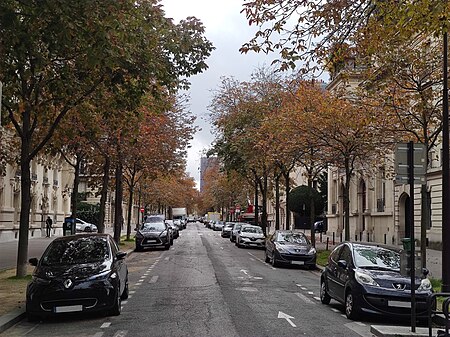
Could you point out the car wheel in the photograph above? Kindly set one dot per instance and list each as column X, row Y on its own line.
column 266, row 257
column 87, row 229
column 138, row 248
column 312, row 267
column 117, row 307
column 167, row 246
column 351, row 309
column 171, row 242
column 324, row 297
column 124, row 295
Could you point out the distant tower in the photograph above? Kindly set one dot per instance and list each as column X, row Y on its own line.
column 205, row 162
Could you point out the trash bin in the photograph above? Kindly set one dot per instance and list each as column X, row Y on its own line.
column 69, row 226
column 407, row 244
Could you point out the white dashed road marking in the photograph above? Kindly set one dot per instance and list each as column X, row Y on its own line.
column 304, row 298
column 105, row 325
column 154, row 279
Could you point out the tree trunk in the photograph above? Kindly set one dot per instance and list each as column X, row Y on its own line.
column 264, row 223
column 288, row 213
column 118, row 213
column 277, row 202
column 104, row 195
column 76, row 183
column 130, row 210
column 347, row 202
column 256, row 210
column 25, row 191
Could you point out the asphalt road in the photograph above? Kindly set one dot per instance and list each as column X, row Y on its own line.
column 205, row 286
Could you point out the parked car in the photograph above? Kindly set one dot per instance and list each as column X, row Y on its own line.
column 236, row 227
column 250, row 236
column 226, row 230
column 83, row 226
column 177, row 222
column 218, row 225
column 153, row 234
column 78, row 273
column 290, row 248
column 366, row 278
column 320, row 226
column 175, row 229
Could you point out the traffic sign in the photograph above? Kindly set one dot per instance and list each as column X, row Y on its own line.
column 402, row 167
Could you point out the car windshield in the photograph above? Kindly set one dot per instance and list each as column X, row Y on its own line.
column 151, row 219
column 292, row 238
column 376, row 257
column 255, row 230
column 153, row 226
column 77, row 251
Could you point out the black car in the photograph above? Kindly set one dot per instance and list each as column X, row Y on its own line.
column 81, row 273
column 290, row 248
column 366, row 278
column 153, row 234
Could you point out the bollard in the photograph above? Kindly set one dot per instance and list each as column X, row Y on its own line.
column 368, row 238
column 385, row 238
column 356, row 237
column 320, row 236
column 340, row 236
column 328, row 240
column 333, row 239
column 360, row 236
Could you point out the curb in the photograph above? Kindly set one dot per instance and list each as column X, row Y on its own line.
column 11, row 318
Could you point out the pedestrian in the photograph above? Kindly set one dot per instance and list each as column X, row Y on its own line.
column 48, row 225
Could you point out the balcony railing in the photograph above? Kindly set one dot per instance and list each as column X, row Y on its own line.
column 45, row 180
column 34, row 177
column 55, row 182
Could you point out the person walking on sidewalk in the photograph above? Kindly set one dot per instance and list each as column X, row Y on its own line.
column 48, row 225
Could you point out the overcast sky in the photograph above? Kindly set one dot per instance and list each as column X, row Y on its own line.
column 227, row 29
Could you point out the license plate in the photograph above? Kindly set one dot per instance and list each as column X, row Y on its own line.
column 151, row 241
column 69, row 308
column 298, row 262
column 399, row 304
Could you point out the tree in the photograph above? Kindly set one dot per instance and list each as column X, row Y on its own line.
column 305, row 30
column 54, row 55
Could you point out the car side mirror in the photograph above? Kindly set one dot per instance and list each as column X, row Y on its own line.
column 121, row 255
column 342, row 264
column 33, row 261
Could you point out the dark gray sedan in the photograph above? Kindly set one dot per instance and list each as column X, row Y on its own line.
column 290, row 248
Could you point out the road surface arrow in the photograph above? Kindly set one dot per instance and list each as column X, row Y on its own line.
column 287, row 318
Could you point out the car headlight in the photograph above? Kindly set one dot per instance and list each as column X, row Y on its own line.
column 312, row 251
column 40, row 280
column 163, row 234
column 365, row 279
column 425, row 285
column 103, row 275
